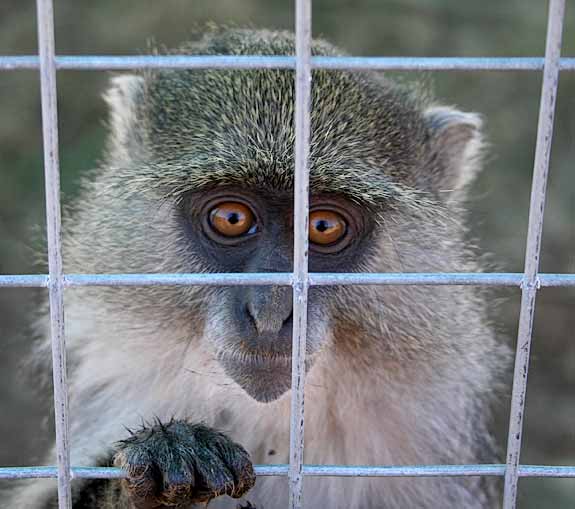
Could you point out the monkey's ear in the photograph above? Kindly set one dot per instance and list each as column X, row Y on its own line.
column 454, row 148
column 126, row 141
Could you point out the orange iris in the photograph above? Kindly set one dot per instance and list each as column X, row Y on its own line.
column 326, row 227
column 231, row 219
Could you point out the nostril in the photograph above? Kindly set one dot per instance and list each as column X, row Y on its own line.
column 250, row 316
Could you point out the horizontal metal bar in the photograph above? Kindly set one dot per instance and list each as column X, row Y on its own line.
column 127, row 62
column 437, row 63
column 25, row 281
column 233, row 279
column 285, row 279
column 416, row 278
column 437, row 279
column 557, row 280
column 320, row 471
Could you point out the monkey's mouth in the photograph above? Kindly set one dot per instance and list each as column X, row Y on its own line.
column 264, row 378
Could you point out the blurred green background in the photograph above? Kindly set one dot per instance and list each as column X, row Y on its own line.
column 499, row 201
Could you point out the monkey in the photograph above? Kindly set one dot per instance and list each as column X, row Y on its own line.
column 186, row 386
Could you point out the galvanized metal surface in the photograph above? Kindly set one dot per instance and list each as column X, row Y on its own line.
column 286, row 279
column 530, row 283
column 55, row 282
column 24, row 281
column 437, row 279
column 234, row 279
column 534, row 471
column 127, row 62
column 303, row 84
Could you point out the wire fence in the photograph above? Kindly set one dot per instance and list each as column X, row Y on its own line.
column 530, row 281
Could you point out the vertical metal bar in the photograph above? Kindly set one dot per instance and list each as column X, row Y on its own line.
column 531, row 281
column 301, row 219
column 55, row 285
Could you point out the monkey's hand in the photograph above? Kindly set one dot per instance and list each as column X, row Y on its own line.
column 180, row 464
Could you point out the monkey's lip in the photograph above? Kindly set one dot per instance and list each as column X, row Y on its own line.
column 264, row 377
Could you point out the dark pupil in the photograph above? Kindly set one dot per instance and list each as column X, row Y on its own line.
column 322, row 226
column 233, row 218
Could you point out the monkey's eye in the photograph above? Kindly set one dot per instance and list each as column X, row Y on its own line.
column 232, row 219
column 326, row 227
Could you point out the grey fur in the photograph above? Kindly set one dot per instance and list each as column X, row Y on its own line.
column 402, row 375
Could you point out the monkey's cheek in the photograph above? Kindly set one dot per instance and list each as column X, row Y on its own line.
column 264, row 380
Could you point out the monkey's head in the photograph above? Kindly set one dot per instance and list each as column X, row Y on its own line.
column 199, row 178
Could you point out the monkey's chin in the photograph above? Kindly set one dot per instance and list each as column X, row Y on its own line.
column 264, row 379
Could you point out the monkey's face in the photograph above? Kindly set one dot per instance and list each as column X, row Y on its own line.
column 217, row 146
column 250, row 328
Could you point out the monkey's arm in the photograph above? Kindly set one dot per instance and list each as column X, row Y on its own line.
column 175, row 464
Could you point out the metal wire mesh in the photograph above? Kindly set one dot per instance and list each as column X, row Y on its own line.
column 529, row 281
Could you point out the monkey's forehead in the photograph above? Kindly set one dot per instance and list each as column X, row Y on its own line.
column 239, row 130
column 236, row 127
column 367, row 186
column 353, row 114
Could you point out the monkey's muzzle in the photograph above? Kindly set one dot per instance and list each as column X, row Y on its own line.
column 264, row 378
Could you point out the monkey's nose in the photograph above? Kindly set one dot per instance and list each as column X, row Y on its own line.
column 270, row 309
